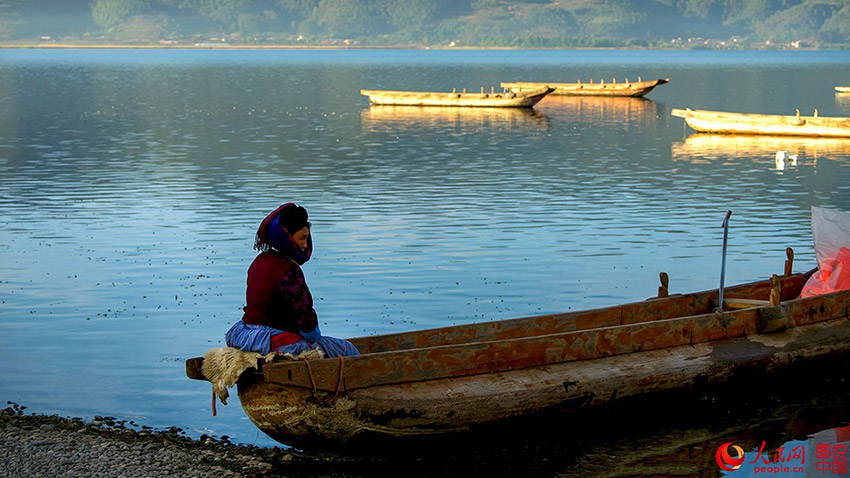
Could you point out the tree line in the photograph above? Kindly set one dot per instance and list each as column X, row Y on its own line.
column 543, row 23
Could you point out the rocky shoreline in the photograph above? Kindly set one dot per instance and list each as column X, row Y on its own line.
column 51, row 446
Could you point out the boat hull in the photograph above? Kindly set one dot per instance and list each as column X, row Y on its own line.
column 719, row 122
column 629, row 89
column 445, row 381
column 296, row 417
column 477, row 100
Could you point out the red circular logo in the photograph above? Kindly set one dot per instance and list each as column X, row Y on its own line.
column 725, row 461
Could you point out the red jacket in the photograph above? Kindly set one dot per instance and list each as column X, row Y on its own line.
column 277, row 295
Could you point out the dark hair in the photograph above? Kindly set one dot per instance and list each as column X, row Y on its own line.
column 293, row 219
column 290, row 216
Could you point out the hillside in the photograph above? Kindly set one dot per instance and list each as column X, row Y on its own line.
column 528, row 23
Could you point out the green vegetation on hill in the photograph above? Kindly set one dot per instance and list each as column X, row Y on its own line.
column 522, row 23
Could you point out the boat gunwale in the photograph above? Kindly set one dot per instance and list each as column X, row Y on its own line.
column 399, row 339
column 455, row 360
column 368, row 92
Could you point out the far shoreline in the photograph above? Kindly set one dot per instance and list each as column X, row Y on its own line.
column 114, row 46
column 209, row 46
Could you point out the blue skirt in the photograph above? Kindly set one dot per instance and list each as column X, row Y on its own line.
column 257, row 338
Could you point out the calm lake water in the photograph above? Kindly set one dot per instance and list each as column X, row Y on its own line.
column 132, row 182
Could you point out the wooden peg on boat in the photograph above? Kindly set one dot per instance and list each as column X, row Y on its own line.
column 816, row 112
column 464, row 91
column 789, row 262
column 639, row 80
column 454, row 90
column 482, row 90
column 663, row 290
column 775, row 290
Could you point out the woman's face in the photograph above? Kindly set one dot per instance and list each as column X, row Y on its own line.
column 300, row 238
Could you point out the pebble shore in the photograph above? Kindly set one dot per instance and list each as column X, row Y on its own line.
column 51, row 446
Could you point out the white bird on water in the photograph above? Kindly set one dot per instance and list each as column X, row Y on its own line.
column 783, row 160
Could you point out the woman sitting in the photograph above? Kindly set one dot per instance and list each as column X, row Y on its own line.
column 279, row 314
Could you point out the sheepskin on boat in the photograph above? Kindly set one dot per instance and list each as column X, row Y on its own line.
column 223, row 366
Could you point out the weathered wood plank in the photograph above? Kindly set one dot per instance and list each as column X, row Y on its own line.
column 487, row 357
column 497, row 356
column 645, row 311
column 744, row 303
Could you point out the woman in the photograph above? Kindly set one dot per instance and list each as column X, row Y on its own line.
column 279, row 314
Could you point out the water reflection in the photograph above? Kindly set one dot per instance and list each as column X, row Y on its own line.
column 701, row 148
column 387, row 118
column 668, row 434
column 625, row 112
column 842, row 103
column 684, row 444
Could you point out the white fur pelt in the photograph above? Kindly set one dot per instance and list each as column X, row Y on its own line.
column 224, row 365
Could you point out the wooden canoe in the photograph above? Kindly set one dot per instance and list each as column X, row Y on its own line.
column 637, row 88
column 744, row 123
column 457, row 379
column 493, row 99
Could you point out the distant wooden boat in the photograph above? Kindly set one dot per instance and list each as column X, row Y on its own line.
column 842, row 89
column 455, row 379
column 493, row 99
column 743, row 123
column 637, row 88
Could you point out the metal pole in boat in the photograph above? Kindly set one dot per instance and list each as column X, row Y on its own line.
column 723, row 262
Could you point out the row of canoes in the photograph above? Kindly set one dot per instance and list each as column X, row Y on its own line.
column 528, row 94
column 514, row 95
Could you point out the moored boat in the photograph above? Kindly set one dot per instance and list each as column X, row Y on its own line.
column 492, row 99
column 627, row 88
column 458, row 378
column 744, row 123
